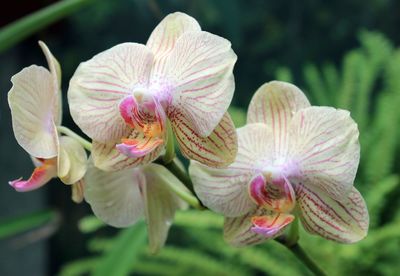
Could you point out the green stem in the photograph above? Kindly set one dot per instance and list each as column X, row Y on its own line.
column 293, row 235
column 180, row 173
column 170, row 146
column 86, row 144
column 299, row 252
column 185, row 195
column 22, row 28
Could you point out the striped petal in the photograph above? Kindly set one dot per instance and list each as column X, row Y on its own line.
column 55, row 71
column 343, row 221
column 200, row 69
column 274, row 104
column 217, row 150
column 42, row 174
column 31, row 100
column 162, row 40
column 115, row 197
column 324, row 144
column 246, row 230
column 99, row 85
column 72, row 160
column 225, row 190
column 107, row 157
column 160, row 204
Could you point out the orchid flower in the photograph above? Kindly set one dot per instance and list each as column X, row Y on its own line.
column 124, row 97
column 35, row 103
column 121, row 198
column 293, row 160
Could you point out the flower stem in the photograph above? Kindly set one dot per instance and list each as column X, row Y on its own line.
column 299, row 252
column 22, row 28
column 86, row 144
column 293, row 235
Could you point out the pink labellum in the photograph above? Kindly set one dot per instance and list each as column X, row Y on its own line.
column 40, row 176
column 270, row 225
column 135, row 148
column 275, row 195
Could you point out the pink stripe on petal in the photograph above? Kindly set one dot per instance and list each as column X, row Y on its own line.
column 134, row 148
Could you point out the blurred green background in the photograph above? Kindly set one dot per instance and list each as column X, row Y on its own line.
column 341, row 53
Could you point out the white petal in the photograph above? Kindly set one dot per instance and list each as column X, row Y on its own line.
column 31, row 100
column 324, row 144
column 217, row 150
column 163, row 38
column 160, row 204
column 226, row 190
column 115, row 197
column 55, row 71
column 274, row 104
column 99, row 85
column 72, row 160
column 200, row 70
column 345, row 221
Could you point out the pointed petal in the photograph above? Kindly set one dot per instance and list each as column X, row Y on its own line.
column 99, row 85
column 107, row 157
column 160, row 204
column 226, row 190
column 40, row 176
column 200, row 69
column 115, row 197
column 324, row 143
column 345, row 221
column 217, row 150
column 72, row 160
column 162, row 40
column 274, row 104
column 31, row 100
column 239, row 231
column 55, row 71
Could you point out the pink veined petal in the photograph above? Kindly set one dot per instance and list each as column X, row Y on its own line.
column 217, row 150
column 200, row 71
column 324, row 143
column 31, row 100
column 225, row 190
column 115, row 197
column 274, row 104
column 160, row 204
column 107, row 157
column 275, row 195
column 271, row 225
column 55, row 71
column 343, row 221
column 40, row 176
column 163, row 38
column 99, row 85
column 238, row 231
